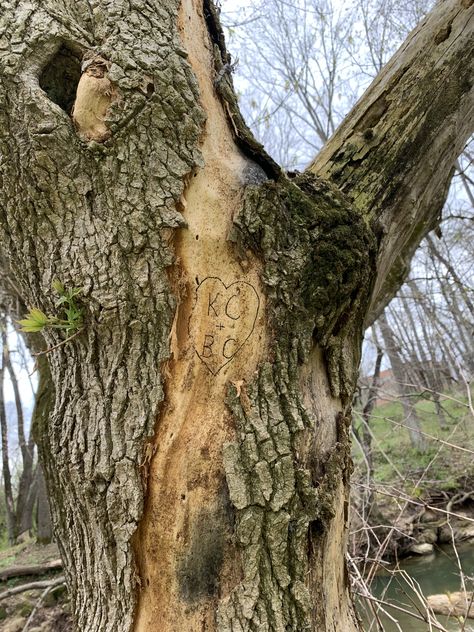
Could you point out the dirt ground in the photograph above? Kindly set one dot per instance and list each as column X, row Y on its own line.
column 52, row 615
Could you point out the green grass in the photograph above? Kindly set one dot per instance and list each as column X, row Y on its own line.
column 397, row 462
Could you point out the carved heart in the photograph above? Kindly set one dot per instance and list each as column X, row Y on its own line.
column 222, row 320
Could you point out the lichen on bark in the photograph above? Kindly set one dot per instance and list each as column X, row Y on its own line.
column 282, row 504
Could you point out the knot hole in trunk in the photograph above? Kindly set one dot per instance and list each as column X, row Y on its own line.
column 60, row 77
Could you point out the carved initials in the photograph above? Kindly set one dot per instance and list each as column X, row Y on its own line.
column 229, row 313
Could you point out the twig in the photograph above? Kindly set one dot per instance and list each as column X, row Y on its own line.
column 438, row 626
column 379, row 446
column 443, row 395
column 359, row 578
column 49, row 349
column 386, row 541
column 401, row 496
column 426, row 434
column 467, row 611
column 60, row 344
column 458, row 499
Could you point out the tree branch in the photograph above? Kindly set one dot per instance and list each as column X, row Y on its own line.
column 394, row 154
column 19, row 571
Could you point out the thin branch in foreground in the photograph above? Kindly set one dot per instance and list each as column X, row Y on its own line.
column 51, row 583
column 401, row 496
column 438, row 626
column 51, row 588
column 426, row 434
column 469, row 606
column 60, row 344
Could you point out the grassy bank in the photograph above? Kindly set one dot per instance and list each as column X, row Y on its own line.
column 449, row 450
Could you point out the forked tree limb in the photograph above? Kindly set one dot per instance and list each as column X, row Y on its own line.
column 103, row 217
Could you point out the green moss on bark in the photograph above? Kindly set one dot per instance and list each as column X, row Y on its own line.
column 319, row 255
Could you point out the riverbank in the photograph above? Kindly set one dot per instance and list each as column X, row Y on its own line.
column 404, row 589
column 414, row 500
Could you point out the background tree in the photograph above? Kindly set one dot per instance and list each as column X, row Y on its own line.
column 228, row 397
column 21, row 470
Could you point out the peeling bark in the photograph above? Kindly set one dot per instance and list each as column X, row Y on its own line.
column 195, row 436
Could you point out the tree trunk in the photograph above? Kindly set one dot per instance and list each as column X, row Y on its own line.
column 435, row 366
column 7, row 479
column 44, row 527
column 464, row 292
column 428, row 377
column 369, row 407
column 24, row 508
column 410, row 418
column 196, row 447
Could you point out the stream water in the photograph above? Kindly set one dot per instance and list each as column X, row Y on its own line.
column 435, row 574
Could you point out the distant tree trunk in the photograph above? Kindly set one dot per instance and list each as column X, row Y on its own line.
column 460, row 337
column 467, row 183
column 410, row 418
column 438, row 362
column 452, row 273
column 196, row 445
column 437, row 368
column 7, row 479
column 44, row 402
column 44, row 532
column 24, row 504
column 403, row 334
column 427, row 369
column 27, row 516
column 368, row 408
column 444, row 338
column 372, row 512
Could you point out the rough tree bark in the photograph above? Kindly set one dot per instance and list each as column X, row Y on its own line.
column 197, row 448
column 44, row 528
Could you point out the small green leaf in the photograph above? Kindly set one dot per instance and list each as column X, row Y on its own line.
column 75, row 291
column 58, row 286
column 61, row 300
column 29, row 326
column 35, row 320
column 69, row 318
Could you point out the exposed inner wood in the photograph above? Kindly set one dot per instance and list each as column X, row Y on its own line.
column 95, row 93
column 218, row 336
column 327, row 565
